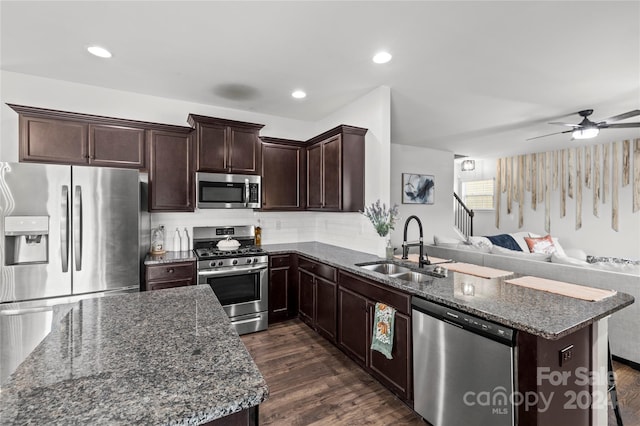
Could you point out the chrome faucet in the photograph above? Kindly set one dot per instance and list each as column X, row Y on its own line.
column 423, row 259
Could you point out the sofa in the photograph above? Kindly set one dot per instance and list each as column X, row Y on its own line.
column 624, row 325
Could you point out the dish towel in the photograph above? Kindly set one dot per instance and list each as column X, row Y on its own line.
column 383, row 321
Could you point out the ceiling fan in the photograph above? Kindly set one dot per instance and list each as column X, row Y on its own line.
column 587, row 129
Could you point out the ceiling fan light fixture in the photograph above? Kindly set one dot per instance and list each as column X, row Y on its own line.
column 585, row 133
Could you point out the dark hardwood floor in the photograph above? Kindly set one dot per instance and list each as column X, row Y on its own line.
column 312, row 382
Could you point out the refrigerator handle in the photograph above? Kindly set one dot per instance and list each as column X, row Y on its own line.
column 64, row 228
column 77, row 227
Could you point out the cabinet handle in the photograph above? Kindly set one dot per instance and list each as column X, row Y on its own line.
column 170, row 270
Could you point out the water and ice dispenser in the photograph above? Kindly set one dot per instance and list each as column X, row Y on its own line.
column 26, row 239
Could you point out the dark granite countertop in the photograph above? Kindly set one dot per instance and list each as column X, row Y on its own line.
column 544, row 314
column 170, row 257
column 159, row 357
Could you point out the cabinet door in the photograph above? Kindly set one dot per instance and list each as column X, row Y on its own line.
column 278, row 294
column 53, row 141
column 281, row 173
column 170, row 171
column 352, row 323
column 116, row 146
column 212, row 148
column 394, row 373
column 306, row 295
column 332, row 173
column 314, row 177
column 244, row 151
column 326, row 308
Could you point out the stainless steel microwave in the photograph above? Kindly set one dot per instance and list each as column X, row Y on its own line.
column 226, row 191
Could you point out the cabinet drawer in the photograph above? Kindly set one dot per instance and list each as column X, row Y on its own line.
column 279, row 261
column 170, row 271
column 319, row 269
column 376, row 292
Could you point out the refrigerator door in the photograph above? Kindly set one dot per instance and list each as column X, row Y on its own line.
column 105, row 231
column 34, row 231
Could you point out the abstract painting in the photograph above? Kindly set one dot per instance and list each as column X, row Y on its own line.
column 417, row 189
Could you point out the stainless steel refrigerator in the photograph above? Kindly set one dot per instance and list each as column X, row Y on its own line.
column 66, row 232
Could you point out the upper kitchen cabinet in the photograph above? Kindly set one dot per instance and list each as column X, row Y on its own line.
column 50, row 136
column 335, row 170
column 283, row 174
column 170, row 160
column 226, row 146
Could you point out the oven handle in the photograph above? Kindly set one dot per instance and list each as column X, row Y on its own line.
column 255, row 319
column 226, row 272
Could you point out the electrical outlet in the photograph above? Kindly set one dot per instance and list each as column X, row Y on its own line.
column 566, row 355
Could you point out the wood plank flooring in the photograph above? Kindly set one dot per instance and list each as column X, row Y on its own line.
column 312, row 382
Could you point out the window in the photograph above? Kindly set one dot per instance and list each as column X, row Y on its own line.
column 478, row 194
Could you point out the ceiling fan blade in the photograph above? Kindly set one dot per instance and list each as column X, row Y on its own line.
column 619, row 126
column 550, row 134
column 564, row 124
column 621, row 116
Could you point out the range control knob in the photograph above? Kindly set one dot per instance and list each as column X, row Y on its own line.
column 248, row 260
column 235, row 261
column 255, row 260
column 220, row 263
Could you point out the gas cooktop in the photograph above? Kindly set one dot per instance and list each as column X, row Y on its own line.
column 207, row 253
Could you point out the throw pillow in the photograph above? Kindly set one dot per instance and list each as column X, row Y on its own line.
column 541, row 245
column 559, row 250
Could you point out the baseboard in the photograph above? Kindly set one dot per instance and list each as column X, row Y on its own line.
column 631, row 364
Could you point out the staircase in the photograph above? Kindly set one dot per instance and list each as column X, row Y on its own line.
column 463, row 217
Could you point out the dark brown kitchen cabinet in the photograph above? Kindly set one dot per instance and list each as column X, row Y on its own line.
column 317, row 293
column 335, row 170
column 226, row 146
column 169, row 275
column 50, row 136
column 282, row 174
column 170, row 160
column 116, row 146
column 282, row 288
column 356, row 303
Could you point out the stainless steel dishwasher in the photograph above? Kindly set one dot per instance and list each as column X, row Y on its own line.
column 463, row 370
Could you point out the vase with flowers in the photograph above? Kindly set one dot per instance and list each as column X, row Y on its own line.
column 383, row 221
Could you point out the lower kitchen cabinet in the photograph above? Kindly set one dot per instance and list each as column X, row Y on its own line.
column 356, row 303
column 169, row 275
column 282, row 289
column 317, row 292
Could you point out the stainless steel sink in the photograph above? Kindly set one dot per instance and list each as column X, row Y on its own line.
column 415, row 277
column 386, row 268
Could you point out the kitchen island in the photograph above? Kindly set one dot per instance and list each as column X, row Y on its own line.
column 560, row 344
column 162, row 357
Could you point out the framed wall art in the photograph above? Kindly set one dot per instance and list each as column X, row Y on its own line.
column 418, row 189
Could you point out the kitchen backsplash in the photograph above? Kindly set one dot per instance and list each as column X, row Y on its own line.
column 349, row 230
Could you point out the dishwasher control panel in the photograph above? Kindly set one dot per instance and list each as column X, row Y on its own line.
column 461, row 319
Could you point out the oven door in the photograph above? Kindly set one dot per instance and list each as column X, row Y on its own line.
column 240, row 291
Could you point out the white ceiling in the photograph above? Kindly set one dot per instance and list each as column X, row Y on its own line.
column 475, row 78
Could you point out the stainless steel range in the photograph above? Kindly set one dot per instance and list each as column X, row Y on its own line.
column 238, row 276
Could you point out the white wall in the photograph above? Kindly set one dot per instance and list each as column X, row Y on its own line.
column 350, row 230
column 596, row 237
column 353, row 230
column 436, row 218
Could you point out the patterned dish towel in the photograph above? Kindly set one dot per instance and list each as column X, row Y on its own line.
column 383, row 321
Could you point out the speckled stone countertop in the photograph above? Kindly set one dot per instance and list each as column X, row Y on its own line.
column 540, row 313
column 158, row 357
column 170, row 257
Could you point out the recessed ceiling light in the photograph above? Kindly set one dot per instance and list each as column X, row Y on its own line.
column 299, row 94
column 99, row 51
column 382, row 57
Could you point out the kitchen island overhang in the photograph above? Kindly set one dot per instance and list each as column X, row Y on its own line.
column 162, row 357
